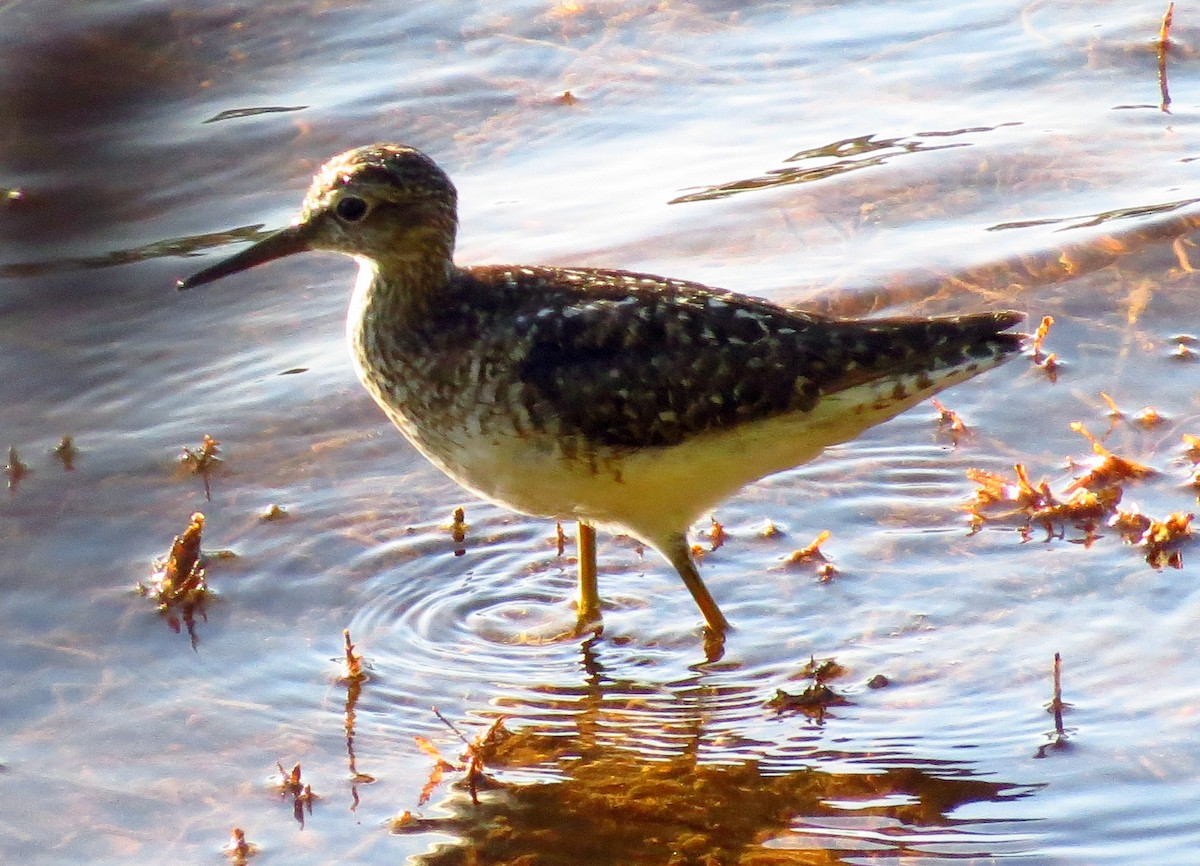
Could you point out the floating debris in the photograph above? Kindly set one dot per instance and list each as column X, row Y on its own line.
column 179, row 578
column 822, row 671
column 716, row 535
column 1086, row 508
column 814, row 699
column 817, row 696
column 1110, row 469
column 1048, row 363
column 1149, row 417
column 458, row 530
column 1039, row 337
column 273, row 512
column 203, row 460
column 239, row 850
column 812, row 555
column 769, row 529
column 1088, row 502
column 951, row 423
column 1184, row 350
column 1037, row 504
column 352, row 669
column 995, row 488
column 1191, row 448
column 879, row 681
column 16, row 470
column 179, row 586
column 472, row 761
column 354, row 676
column 1164, row 30
column 1162, row 47
column 66, row 452
column 1058, row 739
column 1161, row 539
column 301, row 793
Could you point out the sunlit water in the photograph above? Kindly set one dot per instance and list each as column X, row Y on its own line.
column 785, row 150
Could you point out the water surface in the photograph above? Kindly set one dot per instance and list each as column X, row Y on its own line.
column 897, row 157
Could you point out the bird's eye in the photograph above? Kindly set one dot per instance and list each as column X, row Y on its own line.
column 351, row 209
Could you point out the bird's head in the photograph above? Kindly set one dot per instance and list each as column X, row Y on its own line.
column 386, row 203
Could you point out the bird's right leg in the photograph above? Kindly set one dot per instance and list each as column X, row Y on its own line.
column 589, row 593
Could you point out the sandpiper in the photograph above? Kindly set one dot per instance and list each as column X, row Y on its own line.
column 608, row 397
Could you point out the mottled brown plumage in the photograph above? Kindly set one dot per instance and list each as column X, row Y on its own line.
column 609, row 397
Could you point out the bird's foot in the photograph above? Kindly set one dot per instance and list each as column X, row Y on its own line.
column 714, row 644
column 589, row 622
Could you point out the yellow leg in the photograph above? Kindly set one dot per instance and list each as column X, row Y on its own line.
column 680, row 555
column 589, row 593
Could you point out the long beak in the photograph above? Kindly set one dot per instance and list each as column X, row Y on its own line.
column 285, row 242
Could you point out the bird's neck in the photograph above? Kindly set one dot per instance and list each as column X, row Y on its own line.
column 404, row 288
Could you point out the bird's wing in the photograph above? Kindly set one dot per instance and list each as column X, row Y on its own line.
column 631, row 360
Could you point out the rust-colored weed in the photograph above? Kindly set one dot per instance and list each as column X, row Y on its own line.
column 1149, row 417
column 1089, row 502
column 1109, row 469
column 179, row 586
column 1114, row 411
column 239, row 850
column 273, row 512
column 179, row 578
column 950, row 423
column 716, row 535
column 203, row 461
column 1161, row 539
column 473, row 760
column 1056, row 707
column 352, row 662
column 15, row 469
column 1191, row 448
column 290, row 783
column 458, row 525
column 66, row 452
column 1164, row 30
column 1048, row 362
column 812, row 555
column 817, row 696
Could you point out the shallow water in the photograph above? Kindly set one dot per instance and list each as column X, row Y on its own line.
column 911, row 156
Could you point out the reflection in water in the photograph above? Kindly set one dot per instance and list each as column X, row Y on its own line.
column 849, row 154
column 234, row 113
column 353, row 677
column 616, row 807
column 1088, row 220
column 1057, row 740
column 658, row 784
column 170, row 247
column 926, row 288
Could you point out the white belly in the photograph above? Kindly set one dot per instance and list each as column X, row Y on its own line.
column 654, row 493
